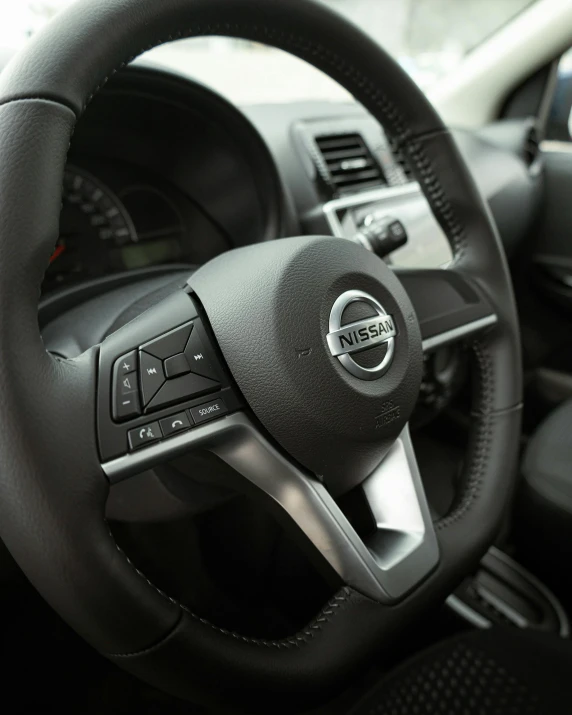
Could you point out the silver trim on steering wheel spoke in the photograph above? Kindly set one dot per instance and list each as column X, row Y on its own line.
column 401, row 549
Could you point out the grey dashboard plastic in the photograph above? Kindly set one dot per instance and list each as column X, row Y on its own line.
column 498, row 167
column 493, row 154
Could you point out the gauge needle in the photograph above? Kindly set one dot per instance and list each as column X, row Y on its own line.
column 58, row 252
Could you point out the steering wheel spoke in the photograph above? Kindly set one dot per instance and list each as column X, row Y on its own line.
column 400, row 547
column 449, row 305
column 160, row 354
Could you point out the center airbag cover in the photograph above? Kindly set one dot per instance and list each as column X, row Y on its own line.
column 270, row 306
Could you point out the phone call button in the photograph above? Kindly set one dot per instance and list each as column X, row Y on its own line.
column 141, row 436
column 175, row 423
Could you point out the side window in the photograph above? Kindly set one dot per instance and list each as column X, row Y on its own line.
column 559, row 125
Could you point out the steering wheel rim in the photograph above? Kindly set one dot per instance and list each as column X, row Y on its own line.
column 52, row 498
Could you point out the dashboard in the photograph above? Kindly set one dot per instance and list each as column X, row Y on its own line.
column 161, row 173
column 164, row 174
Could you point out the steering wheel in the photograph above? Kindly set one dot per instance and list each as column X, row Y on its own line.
column 298, row 362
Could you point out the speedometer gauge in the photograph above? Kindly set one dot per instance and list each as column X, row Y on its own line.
column 105, row 214
column 94, row 225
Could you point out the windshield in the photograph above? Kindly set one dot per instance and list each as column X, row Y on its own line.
column 428, row 37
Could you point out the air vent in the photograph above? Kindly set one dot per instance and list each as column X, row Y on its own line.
column 348, row 164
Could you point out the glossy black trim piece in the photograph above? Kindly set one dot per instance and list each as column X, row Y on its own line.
column 445, row 301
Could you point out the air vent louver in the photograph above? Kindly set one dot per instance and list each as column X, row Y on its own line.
column 348, row 163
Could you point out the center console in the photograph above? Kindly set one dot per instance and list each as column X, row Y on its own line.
column 502, row 592
column 425, row 246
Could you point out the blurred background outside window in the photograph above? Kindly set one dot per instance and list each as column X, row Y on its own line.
column 428, row 37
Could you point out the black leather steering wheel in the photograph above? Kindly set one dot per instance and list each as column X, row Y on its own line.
column 300, row 427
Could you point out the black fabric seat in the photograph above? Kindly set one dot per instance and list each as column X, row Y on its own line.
column 544, row 505
column 493, row 672
column 547, row 463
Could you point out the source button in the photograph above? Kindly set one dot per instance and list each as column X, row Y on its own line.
column 208, row 411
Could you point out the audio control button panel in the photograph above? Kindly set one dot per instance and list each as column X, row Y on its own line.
column 160, row 375
column 176, row 366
